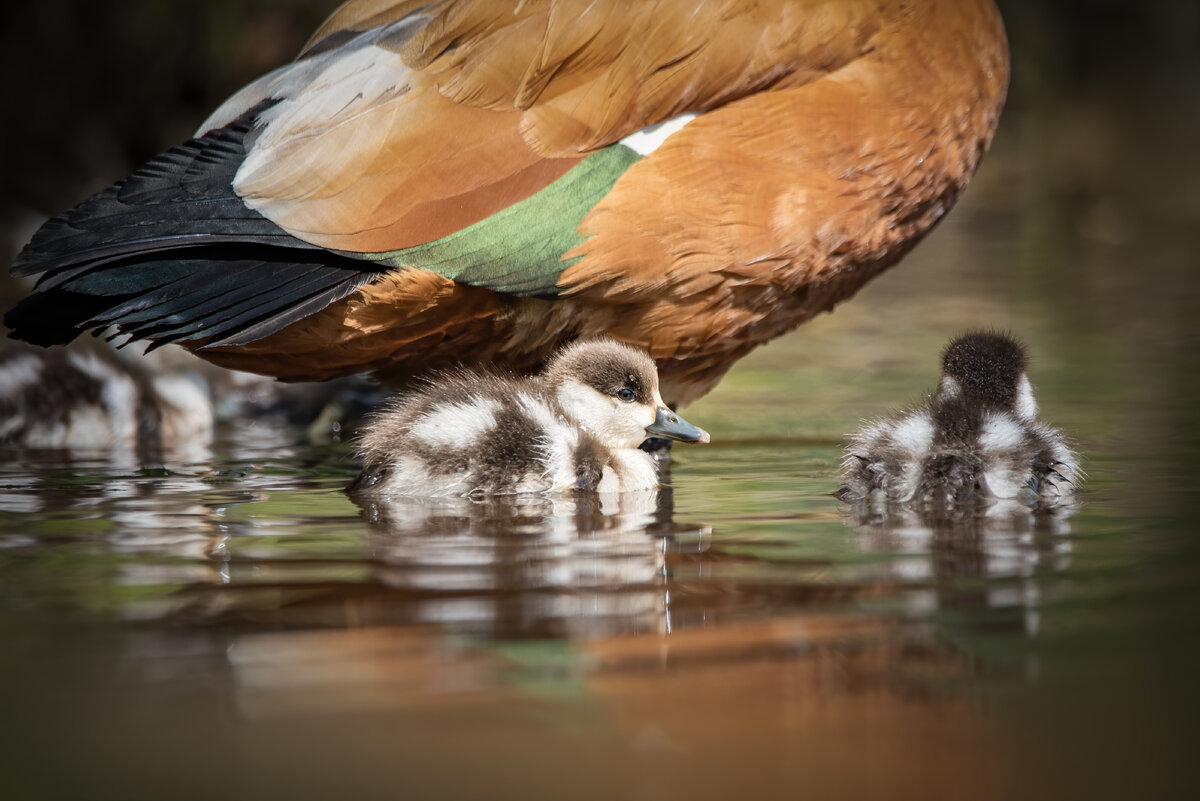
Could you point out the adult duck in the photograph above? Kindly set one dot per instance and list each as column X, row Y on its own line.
column 480, row 182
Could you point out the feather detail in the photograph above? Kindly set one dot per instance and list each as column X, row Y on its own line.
column 368, row 157
column 519, row 250
column 178, row 200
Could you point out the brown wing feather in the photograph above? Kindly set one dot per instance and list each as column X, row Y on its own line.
column 767, row 210
column 486, row 104
column 589, row 72
column 407, row 171
column 361, row 15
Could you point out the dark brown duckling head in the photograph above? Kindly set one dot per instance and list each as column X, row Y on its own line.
column 612, row 389
column 987, row 368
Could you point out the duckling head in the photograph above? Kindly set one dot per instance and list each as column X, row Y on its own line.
column 611, row 390
column 987, row 369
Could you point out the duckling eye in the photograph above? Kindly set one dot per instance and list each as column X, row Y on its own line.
column 625, row 394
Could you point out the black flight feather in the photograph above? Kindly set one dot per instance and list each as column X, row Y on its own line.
column 173, row 254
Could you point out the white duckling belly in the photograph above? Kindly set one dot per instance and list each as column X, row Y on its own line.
column 629, row 471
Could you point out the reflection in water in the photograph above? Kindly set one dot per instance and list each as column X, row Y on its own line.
column 530, row 565
column 619, row 639
column 222, row 545
column 982, row 539
column 986, row 553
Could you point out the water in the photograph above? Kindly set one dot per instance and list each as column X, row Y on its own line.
column 235, row 627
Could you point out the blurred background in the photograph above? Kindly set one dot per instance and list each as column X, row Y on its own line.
column 244, row 625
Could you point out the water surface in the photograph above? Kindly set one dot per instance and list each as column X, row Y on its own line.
column 235, row 626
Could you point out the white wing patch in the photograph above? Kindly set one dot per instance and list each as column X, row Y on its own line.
column 893, row 450
column 650, row 138
column 914, row 434
column 456, row 425
column 1001, row 433
column 558, row 441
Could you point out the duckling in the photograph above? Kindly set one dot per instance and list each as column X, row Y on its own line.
column 484, row 181
column 978, row 436
column 89, row 400
column 578, row 425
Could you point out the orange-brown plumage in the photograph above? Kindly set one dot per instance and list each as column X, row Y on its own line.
column 833, row 135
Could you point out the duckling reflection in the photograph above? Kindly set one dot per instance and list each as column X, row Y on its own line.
column 93, row 401
column 529, row 565
column 984, row 554
column 978, row 436
column 987, row 538
column 576, row 426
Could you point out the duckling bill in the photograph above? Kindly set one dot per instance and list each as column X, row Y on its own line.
column 978, row 436
column 577, row 425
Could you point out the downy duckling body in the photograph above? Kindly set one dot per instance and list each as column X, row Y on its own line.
column 978, row 436
column 578, row 425
column 89, row 400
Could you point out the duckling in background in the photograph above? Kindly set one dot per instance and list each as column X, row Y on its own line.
column 978, row 437
column 95, row 401
column 90, row 399
column 577, row 425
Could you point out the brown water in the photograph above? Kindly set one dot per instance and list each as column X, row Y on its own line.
column 235, row 627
